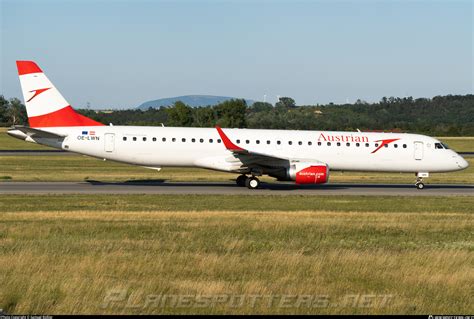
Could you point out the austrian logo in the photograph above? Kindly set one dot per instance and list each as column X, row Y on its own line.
column 384, row 142
column 37, row 92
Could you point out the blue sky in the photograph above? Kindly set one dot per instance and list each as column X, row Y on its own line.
column 122, row 53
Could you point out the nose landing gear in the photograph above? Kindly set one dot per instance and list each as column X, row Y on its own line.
column 419, row 180
column 419, row 183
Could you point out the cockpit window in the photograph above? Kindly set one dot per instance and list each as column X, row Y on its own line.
column 439, row 146
column 445, row 146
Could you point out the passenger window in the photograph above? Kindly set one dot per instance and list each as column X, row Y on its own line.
column 300, row 143
column 201, row 140
column 338, row 144
column 268, row 142
column 173, row 139
column 395, row 145
column 124, row 138
column 404, row 146
column 329, row 143
column 164, row 139
column 357, row 144
column 219, row 140
column 348, row 144
column 154, row 139
column 290, row 142
column 238, row 141
column 144, row 139
column 376, row 145
column 386, row 145
column 134, row 138
column 210, row 140
column 310, row 143
column 258, row 142
column 183, row 140
column 366, row 144
column 193, row 140
column 247, row 141
column 319, row 143
column 278, row 142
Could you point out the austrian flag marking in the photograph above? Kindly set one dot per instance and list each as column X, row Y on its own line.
column 88, row 136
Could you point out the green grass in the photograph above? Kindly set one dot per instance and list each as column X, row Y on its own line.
column 38, row 203
column 66, row 254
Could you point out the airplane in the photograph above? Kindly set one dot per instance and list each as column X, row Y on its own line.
column 305, row 157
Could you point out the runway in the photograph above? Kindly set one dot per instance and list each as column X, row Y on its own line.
column 163, row 187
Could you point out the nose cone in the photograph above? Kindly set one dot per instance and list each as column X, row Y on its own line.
column 463, row 163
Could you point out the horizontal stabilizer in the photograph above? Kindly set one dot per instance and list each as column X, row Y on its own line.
column 33, row 132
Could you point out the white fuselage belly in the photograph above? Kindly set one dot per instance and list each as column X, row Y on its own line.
column 145, row 146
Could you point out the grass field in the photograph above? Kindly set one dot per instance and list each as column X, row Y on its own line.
column 109, row 254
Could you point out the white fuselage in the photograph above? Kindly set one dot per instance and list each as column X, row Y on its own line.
column 202, row 147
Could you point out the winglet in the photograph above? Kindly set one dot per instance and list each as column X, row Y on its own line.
column 227, row 142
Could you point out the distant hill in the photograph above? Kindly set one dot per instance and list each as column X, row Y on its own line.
column 191, row 100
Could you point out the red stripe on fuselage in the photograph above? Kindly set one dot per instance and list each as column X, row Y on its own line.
column 63, row 117
column 27, row 67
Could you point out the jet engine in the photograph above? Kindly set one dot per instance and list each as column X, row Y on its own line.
column 307, row 173
column 304, row 173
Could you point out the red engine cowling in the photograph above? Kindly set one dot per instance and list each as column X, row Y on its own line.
column 307, row 173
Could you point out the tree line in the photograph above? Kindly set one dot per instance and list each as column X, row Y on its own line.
column 451, row 115
column 12, row 111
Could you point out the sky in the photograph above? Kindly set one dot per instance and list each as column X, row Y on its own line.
column 122, row 53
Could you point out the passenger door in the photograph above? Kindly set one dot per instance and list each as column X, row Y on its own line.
column 418, row 150
column 109, row 142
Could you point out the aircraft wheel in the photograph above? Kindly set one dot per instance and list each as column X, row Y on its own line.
column 420, row 185
column 252, row 182
column 241, row 180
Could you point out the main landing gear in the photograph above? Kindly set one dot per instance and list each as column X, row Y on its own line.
column 250, row 182
column 241, row 180
column 419, row 180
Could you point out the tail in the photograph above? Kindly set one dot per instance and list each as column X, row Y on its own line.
column 45, row 106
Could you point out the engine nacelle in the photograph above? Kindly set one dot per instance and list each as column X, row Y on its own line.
column 309, row 173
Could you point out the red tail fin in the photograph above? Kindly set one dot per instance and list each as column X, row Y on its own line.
column 46, row 107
